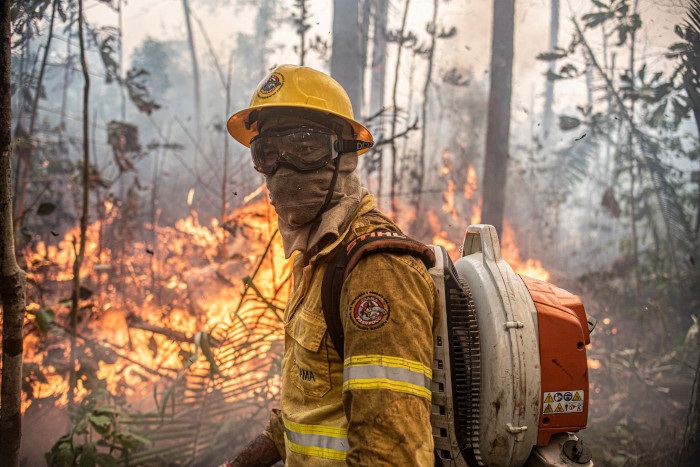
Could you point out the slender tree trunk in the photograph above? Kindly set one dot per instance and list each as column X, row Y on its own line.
column 690, row 449
column 224, row 178
column 66, row 81
column 549, row 85
column 19, row 129
column 424, row 110
column 692, row 90
column 80, row 253
column 42, row 68
column 26, row 152
column 498, row 130
column 346, row 59
column 195, row 69
column 394, row 155
column 633, row 167
column 302, row 32
column 122, row 92
column 376, row 104
column 364, row 46
column 12, row 278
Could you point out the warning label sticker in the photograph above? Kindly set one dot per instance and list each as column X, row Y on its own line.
column 562, row 401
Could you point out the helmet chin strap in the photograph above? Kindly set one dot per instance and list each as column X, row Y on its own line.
column 331, row 188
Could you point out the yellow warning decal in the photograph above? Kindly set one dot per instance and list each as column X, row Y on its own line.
column 568, row 401
column 548, row 409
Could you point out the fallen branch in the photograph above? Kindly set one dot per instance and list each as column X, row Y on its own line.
column 135, row 322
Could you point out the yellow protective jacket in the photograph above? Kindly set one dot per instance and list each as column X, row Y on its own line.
column 374, row 407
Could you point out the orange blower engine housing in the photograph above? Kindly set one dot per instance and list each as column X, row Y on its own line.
column 563, row 336
column 510, row 374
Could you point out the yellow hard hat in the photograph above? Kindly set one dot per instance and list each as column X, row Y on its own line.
column 297, row 86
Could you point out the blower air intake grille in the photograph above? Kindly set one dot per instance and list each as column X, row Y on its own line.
column 464, row 353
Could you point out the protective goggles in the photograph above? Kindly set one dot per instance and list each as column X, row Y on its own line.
column 304, row 149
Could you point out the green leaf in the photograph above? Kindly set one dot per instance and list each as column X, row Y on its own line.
column 601, row 5
column 553, row 76
column 101, row 422
column 105, row 460
column 85, row 293
column 153, row 346
column 594, row 19
column 44, row 319
column 642, row 72
column 658, row 114
column 549, row 56
column 185, row 357
column 568, row 123
column 45, row 209
column 679, row 31
column 88, row 455
column 65, row 455
column 132, row 440
column 23, row 236
column 108, row 409
column 680, row 111
column 622, row 31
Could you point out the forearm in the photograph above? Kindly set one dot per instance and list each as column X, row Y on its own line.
column 261, row 452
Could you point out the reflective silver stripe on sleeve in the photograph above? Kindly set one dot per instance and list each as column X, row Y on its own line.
column 316, row 440
column 400, row 375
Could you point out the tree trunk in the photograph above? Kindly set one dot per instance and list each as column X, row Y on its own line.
column 632, row 168
column 549, row 86
column 75, row 296
column 424, row 110
column 346, row 59
column 195, row 70
column 302, row 31
column 498, row 129
column 394, row 155
column 690, row 449
column 12, row 278
column 26, row 153
column 376, row 103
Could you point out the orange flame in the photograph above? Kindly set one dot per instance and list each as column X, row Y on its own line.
column 470, row 186
column 449, row 197
column 593, row 364
column 446, row 164
column 172, row 283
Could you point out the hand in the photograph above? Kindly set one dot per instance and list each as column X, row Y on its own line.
column 261, row 452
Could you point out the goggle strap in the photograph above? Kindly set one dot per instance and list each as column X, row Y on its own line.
column 331, row 189
column 354, row 145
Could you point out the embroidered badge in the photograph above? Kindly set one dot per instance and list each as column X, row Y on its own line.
column 271, row 85
column 369, row 311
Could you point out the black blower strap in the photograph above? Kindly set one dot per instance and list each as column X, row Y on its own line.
column 347, row 257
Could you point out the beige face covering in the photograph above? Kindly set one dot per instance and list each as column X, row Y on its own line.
column 297, row 197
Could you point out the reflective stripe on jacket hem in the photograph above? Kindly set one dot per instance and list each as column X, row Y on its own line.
column 383, row 372
column 316, row 440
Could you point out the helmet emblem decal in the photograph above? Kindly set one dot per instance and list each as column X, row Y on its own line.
column 271, row 85
column 369, row 311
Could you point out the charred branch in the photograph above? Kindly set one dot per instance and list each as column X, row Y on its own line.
column 134, row 322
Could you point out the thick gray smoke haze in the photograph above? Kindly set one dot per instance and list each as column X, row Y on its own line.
column 601, row 189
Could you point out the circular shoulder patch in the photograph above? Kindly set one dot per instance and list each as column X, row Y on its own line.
column 369, row 311
column 271, row 85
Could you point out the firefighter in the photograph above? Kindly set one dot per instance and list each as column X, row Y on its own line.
column 373, row 407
